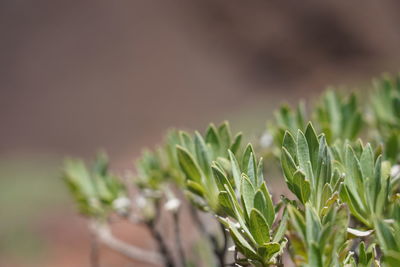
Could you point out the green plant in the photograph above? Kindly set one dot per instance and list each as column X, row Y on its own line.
column 96, row 190
column 385, row 101
column 343, row 210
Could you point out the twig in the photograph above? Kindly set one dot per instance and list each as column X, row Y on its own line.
column 218, row 252
column 162, row 246
column 94, row 251
column 166, row 256
column 235, row 255
column 224, row 248
column 178, row 240
column 104, row 235
column 279, row 262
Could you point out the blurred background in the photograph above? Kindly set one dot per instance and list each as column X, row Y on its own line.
column 76, row 76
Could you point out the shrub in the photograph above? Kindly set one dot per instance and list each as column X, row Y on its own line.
column 340, row 165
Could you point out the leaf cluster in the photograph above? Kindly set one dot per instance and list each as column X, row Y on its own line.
column 345, row 204
column 95, row 190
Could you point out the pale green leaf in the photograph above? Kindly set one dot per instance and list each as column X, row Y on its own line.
column 247, row 194
column 259, row 227
column 188, row 165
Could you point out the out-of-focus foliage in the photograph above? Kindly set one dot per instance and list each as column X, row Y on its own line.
column 366, row 188
column 288, row 120
column 95, row 190
column 337, row 116
column 159, row 167
column 385, row 101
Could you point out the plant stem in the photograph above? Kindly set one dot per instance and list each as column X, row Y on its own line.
column 104, row 235
column 94, row 251
column 225, row 241
column 279, row 262
column 162, row 246
column 178, row 239
column 218, row 252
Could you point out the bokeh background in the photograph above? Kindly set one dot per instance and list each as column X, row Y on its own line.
column 76, row 76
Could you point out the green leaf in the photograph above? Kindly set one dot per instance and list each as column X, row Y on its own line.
column 252, row 170
column 220, row 178
column 367, row 162
column 333, row 108
column 391, row 258
column 188, row 165
column 195, row 188
column 260, row 203
column 383, row 196
column 186, row 141
column 212, row 137
column 355, row 125
column 101, row 164
column 235, row 203
column 241, row 243
column 313, row 145
column 224, row 135
column 280, row 232
column 315, row 257
column 239, row 214
column 354, row 179
column 290, row 144
column 235, row 171
column 76, row 172
column 260, row 172
column 326, row 195
column 323, row 170
column 247, row 194
column 259, row 227
column 236, row 143
column 270, row 216
column 202, row 155
column 376, row 184
column 301, row 114
column 302, row 186
column 268, row 250
column 297, row 221
column 288, row 167
column 392, row 146
column 226, row 204
column 355, row 209
column 303, row 154
column 313, row 225
column 224, row 164
column 249, row 151
column 362, row 254
column 385, row 236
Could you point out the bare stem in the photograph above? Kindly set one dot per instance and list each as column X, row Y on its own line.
column 279, row 261
column 225, row 241
column 162, row 246
column 218, row 252
column 104, row 235
column 94, row 251
column 178, row 239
